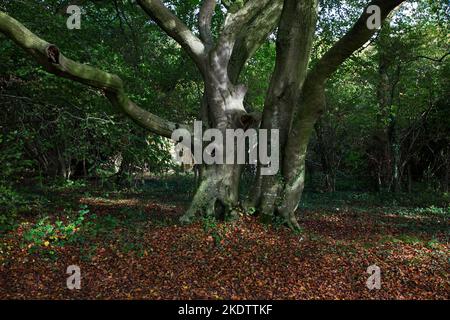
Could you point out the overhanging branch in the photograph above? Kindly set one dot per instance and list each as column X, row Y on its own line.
column 175, row 28
column 351, row 41
column 50, row 57
column 438, row 60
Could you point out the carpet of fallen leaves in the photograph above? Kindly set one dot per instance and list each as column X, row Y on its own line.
column 240, row 260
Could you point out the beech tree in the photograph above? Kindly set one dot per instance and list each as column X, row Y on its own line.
column 293, row 103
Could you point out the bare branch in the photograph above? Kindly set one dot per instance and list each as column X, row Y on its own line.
column 204, row 21
column 50, row 57
column 438, row 60
column 175, row 28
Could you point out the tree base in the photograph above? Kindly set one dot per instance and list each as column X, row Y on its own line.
column 217, row 194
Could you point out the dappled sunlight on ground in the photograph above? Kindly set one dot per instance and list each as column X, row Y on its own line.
column 129, row 247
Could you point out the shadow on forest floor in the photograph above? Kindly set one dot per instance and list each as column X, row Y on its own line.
column 129, row 244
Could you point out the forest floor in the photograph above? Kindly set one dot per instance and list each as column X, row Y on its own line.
column 129, row 245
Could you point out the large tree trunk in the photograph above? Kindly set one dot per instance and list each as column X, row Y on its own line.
column 293, row 52
column 311, row 107
column 223, row 105
column 312, row 101
column 217, row 194
column 218, row 190
column 290, row 71
column 222, row 108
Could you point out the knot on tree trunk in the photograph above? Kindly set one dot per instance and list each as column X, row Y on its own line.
column 244, row 120
column 52, row 53
column 250, row 120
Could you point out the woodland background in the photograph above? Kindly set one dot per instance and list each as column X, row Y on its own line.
column 82, row 184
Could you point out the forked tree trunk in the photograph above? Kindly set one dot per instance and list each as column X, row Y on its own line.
column 282, row 196
column 220, row 63
column 223, row 104
column 222, row 108
column 293, row 53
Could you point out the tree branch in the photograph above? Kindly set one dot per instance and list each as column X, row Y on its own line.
column 176, row 29
column 234, row 24
column 252, row 37
column 439, row 60
column 351, row 41
column 53, row 61
column 204, row 21
column 237, row 21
